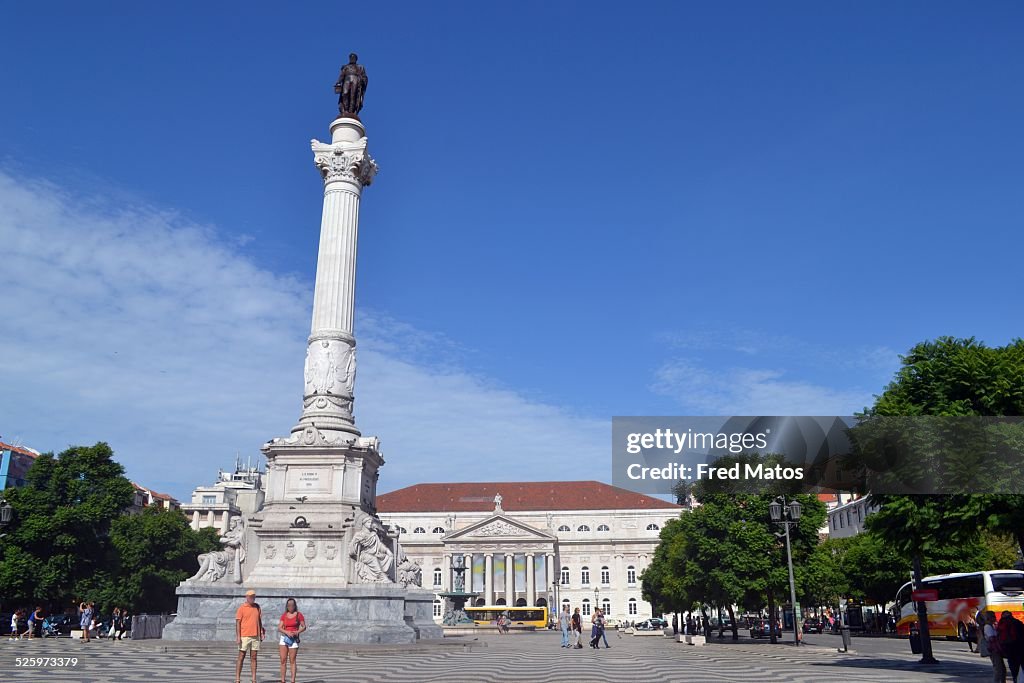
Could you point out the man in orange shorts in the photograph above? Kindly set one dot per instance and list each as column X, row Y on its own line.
column 249, row 632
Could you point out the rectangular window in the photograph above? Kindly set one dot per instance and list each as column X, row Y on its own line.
column 585, row 577
column 437, row 609
column 632, row 608
column 631, row 576
column 586, row 608
column 565, row 576
column 209, row 500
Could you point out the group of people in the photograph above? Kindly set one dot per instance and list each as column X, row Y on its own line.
column 572, row 629
column 249, row 633
column 1003, row 640
column 89, row 621
column 33, row 623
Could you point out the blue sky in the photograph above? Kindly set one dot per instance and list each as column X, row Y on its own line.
column 583, row 210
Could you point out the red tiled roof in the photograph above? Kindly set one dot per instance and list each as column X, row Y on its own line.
column 16, row 449
column 517, row 496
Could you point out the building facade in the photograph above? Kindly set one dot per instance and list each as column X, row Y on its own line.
column 848, row 519
column 14, row 464
column 237, row 493
column 580, row 543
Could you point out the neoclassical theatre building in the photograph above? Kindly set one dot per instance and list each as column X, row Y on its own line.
column 581, row 543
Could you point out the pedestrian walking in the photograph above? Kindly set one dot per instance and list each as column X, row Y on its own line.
column 1011, row 642
column 995, row 653
column 577, row 629
column 565, row 623
column 115, row 624
column 602, row 625
column 595, row 631
column 291, row 624
column 35, row 620
column 249, row 632
column 126, row 624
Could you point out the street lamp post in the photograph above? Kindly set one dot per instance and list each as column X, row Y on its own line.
column 787, row 515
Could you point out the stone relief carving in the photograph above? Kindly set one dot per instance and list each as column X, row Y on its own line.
column 330, row 369
column 269, row 551
column 225, row 564
column 373, row 558
column 335, row 162
column 409, row 573
column 331, row 551
column 289, row 551
column 499, row 528
column 310, row 552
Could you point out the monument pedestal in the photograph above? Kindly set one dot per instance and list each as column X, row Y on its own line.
column 359, row 614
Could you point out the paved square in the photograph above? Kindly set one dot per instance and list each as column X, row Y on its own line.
column 534, row 657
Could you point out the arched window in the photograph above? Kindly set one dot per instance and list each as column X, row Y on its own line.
column 565, row 576
column 499, row 601
column 419, row 530
column 586, row 607
column 480, row 602
column 438, row 530
column 541, row 602
column 521, row 602
column 606, row 606
column 603, row 527
column 564, row 528
column 402, row 530
column 437, row 577
column 631, row 575
column 653, row 527
column 565, row 603
column 583, row 527
column 631, row 607
column 585, row 575
column 606, row 577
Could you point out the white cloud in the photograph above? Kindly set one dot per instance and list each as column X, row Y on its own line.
column 746, row 391
column 132, row 325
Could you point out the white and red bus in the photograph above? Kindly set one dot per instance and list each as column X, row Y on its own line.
column 960, row 598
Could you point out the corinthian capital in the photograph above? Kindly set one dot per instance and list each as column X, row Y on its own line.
column 344, row 162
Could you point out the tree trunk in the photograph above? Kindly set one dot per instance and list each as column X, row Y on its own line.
column 735, row 626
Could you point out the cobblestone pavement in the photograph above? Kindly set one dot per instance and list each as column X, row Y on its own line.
column 489, row 657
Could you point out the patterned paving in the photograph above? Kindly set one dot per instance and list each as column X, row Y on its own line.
column 533, row 658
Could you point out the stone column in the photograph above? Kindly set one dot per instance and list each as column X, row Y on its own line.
column 510, row 579
column 549, row 579
column 195, row 520
column 446, row 574
column 330, row 369
column 488, row 578
column 467, row 562
column 531, row 598
column 619, row 597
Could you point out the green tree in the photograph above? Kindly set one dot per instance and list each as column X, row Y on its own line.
column 60, row 541
column 948, row 377
column 153, row 553
column 663, row 579
column 729, row 552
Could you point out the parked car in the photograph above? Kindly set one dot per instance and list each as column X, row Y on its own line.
column 759, row 628
column 813, row 625
column 652, row 624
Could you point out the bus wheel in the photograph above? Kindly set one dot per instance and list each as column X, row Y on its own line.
column 961, row 633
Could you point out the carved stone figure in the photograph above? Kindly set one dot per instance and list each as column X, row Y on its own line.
column 351, row 87
column 497, row 502
column 409, row 572
column 460, row 574
column 370, row 551
column 225, row 563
